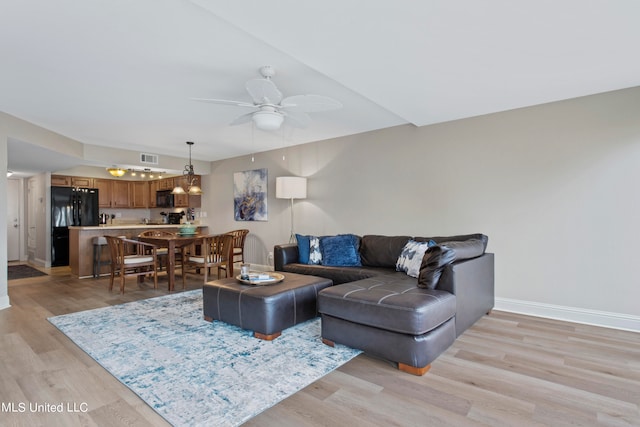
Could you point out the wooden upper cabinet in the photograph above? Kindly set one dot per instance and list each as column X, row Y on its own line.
column 153, row 187
column 104, row 192
column 181, row 200
column 165, row 184
column 115, row 193
column 112, row 193
column 140, row 194
column 120, row 196
column 71, row 181
column 79, row 181
column 60, row 181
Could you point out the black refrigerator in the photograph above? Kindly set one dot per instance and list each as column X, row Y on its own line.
column 70, row 207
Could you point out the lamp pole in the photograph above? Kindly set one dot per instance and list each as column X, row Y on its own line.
column 292, row 237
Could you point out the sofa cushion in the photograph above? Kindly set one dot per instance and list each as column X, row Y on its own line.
column 381, row 251
column 411, row 256
column 337, row 274
column 391, row 302
column 340, row 250
column 466, row 249
column 437, row 257
column 434, row 261
column 459, row 238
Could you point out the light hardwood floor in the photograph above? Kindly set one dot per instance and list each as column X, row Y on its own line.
column 507, row 370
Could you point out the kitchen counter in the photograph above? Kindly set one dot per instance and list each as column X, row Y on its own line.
column 81, row 243
column 130, row 226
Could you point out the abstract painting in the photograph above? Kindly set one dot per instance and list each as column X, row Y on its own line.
column 250, row 195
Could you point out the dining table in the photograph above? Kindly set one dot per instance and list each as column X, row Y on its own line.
column 173, row 242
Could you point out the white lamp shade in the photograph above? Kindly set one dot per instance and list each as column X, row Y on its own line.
column 291, row 187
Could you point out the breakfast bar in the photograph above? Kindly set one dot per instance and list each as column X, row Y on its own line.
column 81, row 243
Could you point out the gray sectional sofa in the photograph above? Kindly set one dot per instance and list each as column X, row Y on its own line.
column 389, row 314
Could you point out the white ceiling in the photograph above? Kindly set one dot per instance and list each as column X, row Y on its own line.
column 121, row 73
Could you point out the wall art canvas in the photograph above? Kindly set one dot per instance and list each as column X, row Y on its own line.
column 250, row 195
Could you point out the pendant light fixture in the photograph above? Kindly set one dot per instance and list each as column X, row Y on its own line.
column 190, row 177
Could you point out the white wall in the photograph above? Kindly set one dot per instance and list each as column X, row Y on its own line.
column 555, row 187
column 4, row 294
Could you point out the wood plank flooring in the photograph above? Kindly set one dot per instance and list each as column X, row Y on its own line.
column 507, row 370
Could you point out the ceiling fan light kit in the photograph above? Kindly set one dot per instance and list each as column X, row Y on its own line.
column 271, row 109
column 267, row 120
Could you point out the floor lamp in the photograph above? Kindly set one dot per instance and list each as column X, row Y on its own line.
column 291, row 187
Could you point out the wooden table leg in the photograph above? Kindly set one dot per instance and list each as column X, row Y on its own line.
column 171, row 268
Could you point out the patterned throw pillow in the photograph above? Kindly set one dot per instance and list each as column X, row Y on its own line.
column 315, row 256
column 411, row 256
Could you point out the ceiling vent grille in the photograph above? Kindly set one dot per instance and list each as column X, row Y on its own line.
column 149, row 159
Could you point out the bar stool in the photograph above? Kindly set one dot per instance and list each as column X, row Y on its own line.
column 99, row 242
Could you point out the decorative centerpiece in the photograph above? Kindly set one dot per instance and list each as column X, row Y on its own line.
column 187, row 229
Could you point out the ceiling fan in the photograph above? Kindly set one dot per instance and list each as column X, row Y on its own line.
column 271, row 109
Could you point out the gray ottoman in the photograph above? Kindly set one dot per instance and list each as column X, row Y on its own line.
column 265, row 310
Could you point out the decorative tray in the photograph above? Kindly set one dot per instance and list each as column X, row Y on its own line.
column 261, row 279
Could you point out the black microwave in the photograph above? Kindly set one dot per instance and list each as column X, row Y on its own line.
column 164, row 199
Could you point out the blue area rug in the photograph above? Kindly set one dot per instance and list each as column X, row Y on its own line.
column 196, row 373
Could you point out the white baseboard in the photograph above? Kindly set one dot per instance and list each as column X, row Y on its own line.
column 4, row 302
column 605, row 319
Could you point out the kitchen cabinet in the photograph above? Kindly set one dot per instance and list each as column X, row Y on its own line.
column 71, row 181
column 82, row 182
column 121, row 194
column 104, row 192
column 112, row 193
column 139, row 194
column 165, row 184
column 181, row 200
column 153, row 188
column 116, row 193
column 60, row 181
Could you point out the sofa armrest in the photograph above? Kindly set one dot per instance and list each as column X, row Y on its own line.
column 472, row 282
column 284, row 254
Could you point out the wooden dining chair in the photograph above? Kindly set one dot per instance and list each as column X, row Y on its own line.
column 131, row 258
column 239, row 237
column 161, row 252
column 215, row 251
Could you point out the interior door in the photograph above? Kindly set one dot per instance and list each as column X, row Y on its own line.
column 13, row 220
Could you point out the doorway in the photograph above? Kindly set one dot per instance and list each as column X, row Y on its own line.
column 14, row 216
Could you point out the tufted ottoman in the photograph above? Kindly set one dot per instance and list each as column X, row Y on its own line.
column 266, row 310
column 390, row 317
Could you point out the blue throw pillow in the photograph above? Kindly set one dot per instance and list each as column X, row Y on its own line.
column 340, row 250
column 303, row 248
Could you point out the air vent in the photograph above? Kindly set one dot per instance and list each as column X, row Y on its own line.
column 149, row 159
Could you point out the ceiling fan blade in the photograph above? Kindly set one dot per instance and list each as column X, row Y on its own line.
column 224, row 102
column 310, row 103
column 245, row 118
column 263, row 91
column 298, row 119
